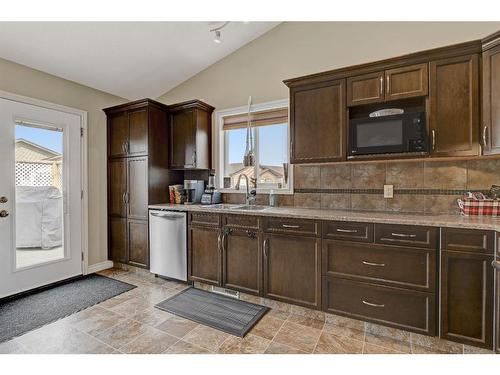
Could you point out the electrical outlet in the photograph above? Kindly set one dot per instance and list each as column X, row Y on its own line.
column 388, row 191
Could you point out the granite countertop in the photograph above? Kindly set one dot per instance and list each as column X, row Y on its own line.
column 437, row 220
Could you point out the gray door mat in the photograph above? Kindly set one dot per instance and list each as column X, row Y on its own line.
column 226, row 314
column 30, row 311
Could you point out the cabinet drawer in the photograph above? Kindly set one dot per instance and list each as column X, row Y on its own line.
column 342, row 230
column 409, row 310
column 397, row 266
column 240, row 221
column 406, row 235
column 293, row 226
column 470, row 240
column 204, row 218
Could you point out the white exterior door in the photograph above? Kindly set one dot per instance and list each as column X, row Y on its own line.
column 40, row 196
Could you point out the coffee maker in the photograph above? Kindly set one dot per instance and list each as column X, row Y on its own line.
column 211, row 196
column 193, row 190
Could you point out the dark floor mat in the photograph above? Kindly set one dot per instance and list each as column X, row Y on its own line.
column 220, row 312
column 28, row 312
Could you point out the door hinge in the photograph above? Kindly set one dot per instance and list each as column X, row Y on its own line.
column 81, row 196
column 81, row 132
column 83, row 257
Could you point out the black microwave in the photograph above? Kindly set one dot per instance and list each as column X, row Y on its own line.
column 400, row 133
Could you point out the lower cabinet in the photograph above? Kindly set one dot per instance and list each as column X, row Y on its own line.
column 242, row 260
column 118, row 243
column 400, row 308
column 292, row 269
column 467, row 298
column 204, row 254
column 138, row 234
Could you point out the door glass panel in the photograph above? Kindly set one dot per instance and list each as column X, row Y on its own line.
column 39, row 194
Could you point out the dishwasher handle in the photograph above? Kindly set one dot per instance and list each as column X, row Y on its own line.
column 165, row 215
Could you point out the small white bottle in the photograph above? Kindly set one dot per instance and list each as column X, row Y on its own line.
column 273, row 199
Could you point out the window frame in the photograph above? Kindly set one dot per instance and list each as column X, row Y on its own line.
column 221, row 145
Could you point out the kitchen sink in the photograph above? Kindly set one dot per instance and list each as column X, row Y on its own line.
column 248, row 207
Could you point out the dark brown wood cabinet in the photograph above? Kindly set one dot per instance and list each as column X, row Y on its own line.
column 190, row 135
column 292, row 269
column 467, row 290
column 365, row 89
column 454, row 106
column 318, row 122
column 490, row 130
column 138, row 175
column 204, row 257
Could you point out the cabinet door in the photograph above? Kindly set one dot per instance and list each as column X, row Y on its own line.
column 118, row 239
column 467, row 298
column 292, row 269
column 117, row 134
column 138, row 249
column 407, row 82
column 138, row 132
column 491, row 101
column 242, row 262
column 317, row 122
column 204, row 255
column 183, row 139
column 454, row 106
column 137, row 196
column 117, row 187
column 365, row 89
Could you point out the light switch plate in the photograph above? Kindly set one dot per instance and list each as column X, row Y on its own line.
column 388, row 191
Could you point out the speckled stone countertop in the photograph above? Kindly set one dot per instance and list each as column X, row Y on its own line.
column 437, row 220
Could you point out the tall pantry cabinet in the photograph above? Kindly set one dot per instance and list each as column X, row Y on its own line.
column 138, row 175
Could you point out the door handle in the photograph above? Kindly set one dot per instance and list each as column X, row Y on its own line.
column 124, row 147
column 219, row 242
column 165, row 216
column 124, row 199
column 372, row 304
column 3, row 200
column 4, row 213
column 373, row 264
column 265, row 248
column 496, row 265
column 347, row 230
column 433, row 132
column 485, row 142
column 290, row 226
column 403, row 235
column 381, row 85
column 388, row 85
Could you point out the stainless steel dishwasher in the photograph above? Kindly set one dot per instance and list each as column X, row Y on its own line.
column 168, row 244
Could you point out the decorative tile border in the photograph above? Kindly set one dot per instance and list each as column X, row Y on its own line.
column 381, row 191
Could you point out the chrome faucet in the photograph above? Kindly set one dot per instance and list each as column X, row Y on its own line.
column 250, row 195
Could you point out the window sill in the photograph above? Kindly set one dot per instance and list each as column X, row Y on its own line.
column 259, row 191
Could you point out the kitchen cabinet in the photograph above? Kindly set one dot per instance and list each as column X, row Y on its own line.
column 292, row 269
column 467, row 287
column 204, row 257
column 190, row 135
column 242, row 260
column 137, row 176
column 392, row 84
column 454, row 106
column 490, row 136
column 318, row 122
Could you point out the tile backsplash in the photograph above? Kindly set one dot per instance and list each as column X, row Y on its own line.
column 419, row 186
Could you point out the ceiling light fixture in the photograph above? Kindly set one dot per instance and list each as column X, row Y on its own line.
column 216, row 31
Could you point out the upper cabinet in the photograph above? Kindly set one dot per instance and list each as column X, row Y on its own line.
column 128, row 133
column 190, row 135
column 454, row 106
column 392, row 84
column 318, row 122
column 490, row 130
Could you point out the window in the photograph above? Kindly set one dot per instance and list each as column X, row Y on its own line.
column 270, row 131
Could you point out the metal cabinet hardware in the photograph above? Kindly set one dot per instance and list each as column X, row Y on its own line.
column 372, row 304
column 485, row 141
column 251, row 234
column 381, row 85
column 124, row 199
column 264, row 245
column 290, row 226
column 496, row 265
column 403, row 235
column 373, row 264
column 347, row 230
column 388, row 87
column 4, row 213
column 433, row 140
column 3, row 200
column 219, row 242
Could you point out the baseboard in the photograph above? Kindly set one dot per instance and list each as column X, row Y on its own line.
column 99, row 266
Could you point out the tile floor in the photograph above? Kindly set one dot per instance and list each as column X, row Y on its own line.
column 129, row 323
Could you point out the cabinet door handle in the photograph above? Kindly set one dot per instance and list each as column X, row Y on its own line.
column 124, row 199
column 127, row 198
column 290, row 226
column 372, row 304
column 485, row 142
column 347, row 230
column 193, row 158
column 433, row 132
column 381, row 85
column 373, row 264
column 403, row 235
column 219, row 243
column 124, row 147
column 496, row 265
column 265, row 248
column 388, row 87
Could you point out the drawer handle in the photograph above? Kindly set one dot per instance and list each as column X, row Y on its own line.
column 373, row 264
column 290, row 226
column 347, row 230
column 403, row 235
column 372, row 304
